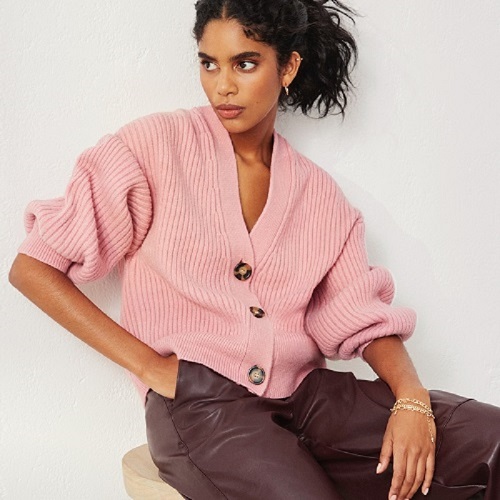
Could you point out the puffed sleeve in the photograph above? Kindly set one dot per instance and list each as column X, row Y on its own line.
column 351, row 306
column 103, row 216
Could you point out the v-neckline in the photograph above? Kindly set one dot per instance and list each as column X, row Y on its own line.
column 260, row 238
column 271, row 178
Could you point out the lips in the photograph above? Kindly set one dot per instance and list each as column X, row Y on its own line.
column 229, row 111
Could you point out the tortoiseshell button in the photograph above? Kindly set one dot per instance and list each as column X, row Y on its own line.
column 256, row 375
column 257, row 311
column 242, row 271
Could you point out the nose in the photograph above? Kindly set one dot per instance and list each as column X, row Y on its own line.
column 225, row 83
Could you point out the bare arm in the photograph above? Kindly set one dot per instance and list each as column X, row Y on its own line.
column 55, row 294
column 408, row 436
column 390, row 360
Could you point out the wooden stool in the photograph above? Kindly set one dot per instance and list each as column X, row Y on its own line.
column 140, row 476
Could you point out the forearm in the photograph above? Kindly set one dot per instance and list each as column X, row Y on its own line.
column 390, row 360
column 54, row 293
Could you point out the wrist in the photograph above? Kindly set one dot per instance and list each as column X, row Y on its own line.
column 418, row 392
column 149, row 365
column 160, row 370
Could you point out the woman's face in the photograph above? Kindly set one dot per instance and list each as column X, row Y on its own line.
column 240, row 77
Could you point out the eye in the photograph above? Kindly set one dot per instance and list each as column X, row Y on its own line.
column 208, row 65
column 247, row 65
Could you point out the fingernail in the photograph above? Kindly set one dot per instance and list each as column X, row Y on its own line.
column 426, row 491
column 394, row 497
column 379, row 467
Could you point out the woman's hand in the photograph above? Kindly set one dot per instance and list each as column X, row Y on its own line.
column 408, row 441
column 161, row 375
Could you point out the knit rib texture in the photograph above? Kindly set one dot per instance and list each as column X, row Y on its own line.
column 159, row 199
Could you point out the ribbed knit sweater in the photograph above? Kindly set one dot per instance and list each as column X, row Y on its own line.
column 159, row 199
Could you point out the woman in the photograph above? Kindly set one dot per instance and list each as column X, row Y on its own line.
column 243, row 267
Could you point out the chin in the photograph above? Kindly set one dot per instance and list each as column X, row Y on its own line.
column 236, row 126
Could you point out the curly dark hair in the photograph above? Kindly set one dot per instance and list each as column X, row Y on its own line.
column 312, row 28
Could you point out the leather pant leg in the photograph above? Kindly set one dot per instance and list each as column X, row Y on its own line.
column 216, row 440
column 469, row 448
column 343, row 424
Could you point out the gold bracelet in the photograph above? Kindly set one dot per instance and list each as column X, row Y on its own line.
column 416, row 401
column 418, row 406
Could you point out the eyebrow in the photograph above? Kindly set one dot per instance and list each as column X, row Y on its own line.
column 237, row 57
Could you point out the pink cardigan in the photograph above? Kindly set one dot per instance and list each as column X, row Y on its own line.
column 159, row 198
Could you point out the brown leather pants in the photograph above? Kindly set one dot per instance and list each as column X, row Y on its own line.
column 216, row 440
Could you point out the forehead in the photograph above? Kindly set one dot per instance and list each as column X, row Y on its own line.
column 222, row 38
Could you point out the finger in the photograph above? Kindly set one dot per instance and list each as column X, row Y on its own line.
column 429, row 472
column 419, row 476
column 385, row 455
column 399, row 472
column 410, row 474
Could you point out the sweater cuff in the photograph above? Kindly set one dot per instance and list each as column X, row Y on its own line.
column 35, row 247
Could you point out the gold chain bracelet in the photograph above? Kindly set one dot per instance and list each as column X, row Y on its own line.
column 418, row 406
column 416, row 401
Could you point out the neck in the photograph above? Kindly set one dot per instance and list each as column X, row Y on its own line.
column 256, row 144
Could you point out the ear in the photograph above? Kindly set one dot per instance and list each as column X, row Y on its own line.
column 290, row 69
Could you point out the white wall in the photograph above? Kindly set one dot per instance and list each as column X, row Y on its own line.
column 416, row 153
